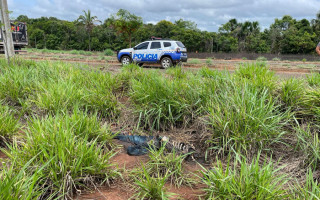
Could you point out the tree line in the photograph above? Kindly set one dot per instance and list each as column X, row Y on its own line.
column 123, row 29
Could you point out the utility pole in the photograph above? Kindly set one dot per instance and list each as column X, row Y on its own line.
column 6, row 30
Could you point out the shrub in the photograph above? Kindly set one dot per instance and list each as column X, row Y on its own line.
column 244, row 180
column 244, row 58
column 108, row 52
column 304, row 60
column 261, row 58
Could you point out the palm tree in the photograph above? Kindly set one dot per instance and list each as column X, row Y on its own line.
column 88, row 21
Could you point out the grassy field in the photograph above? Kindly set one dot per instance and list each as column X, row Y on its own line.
column 57, row 119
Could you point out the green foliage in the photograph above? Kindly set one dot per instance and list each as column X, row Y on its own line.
column 309, row 143
column 309, row 190
column 163, row 103
column 18, row 184
column 244, row 118
column 9, row 125
column 244, row 58
column 292, row 92
column 314, row 79
column 194, row 61
column 150, row 187
column 257, row 74
column 209, row 61
column 276, row 59
column 261, row 58
column 304, row 60
column 167, row 164
column 108, row 52
column 244, row 180
column 76, row 161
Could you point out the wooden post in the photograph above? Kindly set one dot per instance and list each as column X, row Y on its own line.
column 6, row 30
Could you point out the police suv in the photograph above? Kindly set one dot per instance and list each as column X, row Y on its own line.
column 166, row 52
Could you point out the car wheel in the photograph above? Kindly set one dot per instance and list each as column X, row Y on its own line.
column 140, row 64
column 166, row 62
column 125, row 60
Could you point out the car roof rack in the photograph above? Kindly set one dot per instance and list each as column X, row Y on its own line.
column 157, row 38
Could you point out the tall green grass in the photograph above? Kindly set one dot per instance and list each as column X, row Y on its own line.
column 163, row 103
column 70, row 146
column 169, row 164
column 9, row 124
column 257, row 74
column 244, row 118
column 244, row 180
column 150, row 187
column 18, row 184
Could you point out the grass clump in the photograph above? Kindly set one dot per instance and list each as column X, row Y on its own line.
column 150, row 187
column 73, row 160
column 261, row 58
column 18, row 184
column 9, row 125
column 309, row 190
column 292, row 92
column 309, row 143
column 108, row 52
column 177, row 72
column 244, row 180
column 276, row 59
column 257, row 74
column 163, row 103
column 244, row 118
column 314, row 79
column 244, row 58
column 167, row 164
column 209, row 61
column 75, row 52
column 194, row 61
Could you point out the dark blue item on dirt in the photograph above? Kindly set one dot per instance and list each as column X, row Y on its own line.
column 141, row 144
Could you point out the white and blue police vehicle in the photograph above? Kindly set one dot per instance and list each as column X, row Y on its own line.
column 167, row 52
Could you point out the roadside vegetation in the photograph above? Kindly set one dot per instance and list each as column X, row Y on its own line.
column 55, row 121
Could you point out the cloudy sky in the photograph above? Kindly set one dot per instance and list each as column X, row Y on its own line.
column 208, row 14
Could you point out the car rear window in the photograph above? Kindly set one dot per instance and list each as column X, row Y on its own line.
column 180, row 44
column 155, row 45
column 167, row 44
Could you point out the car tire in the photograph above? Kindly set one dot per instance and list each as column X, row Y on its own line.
column 140, row 64
column 166, row 62
column 125, row 60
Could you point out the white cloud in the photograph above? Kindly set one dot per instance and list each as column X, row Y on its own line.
column 208, row 14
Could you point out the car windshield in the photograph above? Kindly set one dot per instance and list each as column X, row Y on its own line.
column 180, row 45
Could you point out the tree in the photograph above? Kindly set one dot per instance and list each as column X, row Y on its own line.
column 126, row 23
column 88, row 21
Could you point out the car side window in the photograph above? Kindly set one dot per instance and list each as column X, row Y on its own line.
column 142, row 46
column 155, row 45
column 167, row 44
